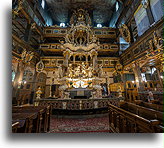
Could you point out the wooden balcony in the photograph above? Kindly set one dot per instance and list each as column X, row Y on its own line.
column 139, row 48
column 57, row 47
column 56, row 31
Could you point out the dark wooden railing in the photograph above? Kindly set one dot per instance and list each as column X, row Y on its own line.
column 121, row 121
column 144, row 112
column 31, row 119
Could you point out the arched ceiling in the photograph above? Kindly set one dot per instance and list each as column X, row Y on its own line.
column 100, row 10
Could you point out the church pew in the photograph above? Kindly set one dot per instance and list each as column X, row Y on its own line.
column 25, row 121
column 37, row 123
column 122, row 121
column 147, row 113
column 42, row 123
column 15, row 126
column 158, row 107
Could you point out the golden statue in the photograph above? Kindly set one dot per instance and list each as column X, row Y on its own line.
column 90, row 71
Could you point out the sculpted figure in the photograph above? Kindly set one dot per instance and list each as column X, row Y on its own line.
column 100, row 74
column 60, row 70
column 70, row 71
column 84, row 72
column 90, row 71
column 77, row 71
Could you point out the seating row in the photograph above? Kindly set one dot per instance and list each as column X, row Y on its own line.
column 31, row 119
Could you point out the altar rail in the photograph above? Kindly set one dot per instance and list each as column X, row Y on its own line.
column 79, row 104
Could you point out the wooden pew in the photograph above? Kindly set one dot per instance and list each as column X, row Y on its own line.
column 42, row 123
column 25, row 121
column 157, row 107
column 122, row 121
column 37, row 122
column 147, row 113
column 15, row 126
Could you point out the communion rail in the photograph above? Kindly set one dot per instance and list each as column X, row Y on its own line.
column 79, row 104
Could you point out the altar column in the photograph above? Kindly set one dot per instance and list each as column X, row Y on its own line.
column 94, row 61
column 73, row 58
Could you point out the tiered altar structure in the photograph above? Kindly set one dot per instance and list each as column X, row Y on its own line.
column 80, row 72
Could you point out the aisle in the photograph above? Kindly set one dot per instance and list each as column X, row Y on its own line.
column 79, row 124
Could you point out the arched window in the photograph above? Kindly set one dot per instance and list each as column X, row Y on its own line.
column 99, row 26
column 13, row 75
column 43, row 4
column 117, row 6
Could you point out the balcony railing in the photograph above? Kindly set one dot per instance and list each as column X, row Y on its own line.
column 56, row 31
column 56, row 47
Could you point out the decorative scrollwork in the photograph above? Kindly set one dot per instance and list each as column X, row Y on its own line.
column 40, row 66
column 125, row 33
column 80, row 17
column 27, row 56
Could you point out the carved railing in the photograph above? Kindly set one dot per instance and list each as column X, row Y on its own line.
column 56, row 47
column 56, row 31
column 121, row 121
column 79, row 104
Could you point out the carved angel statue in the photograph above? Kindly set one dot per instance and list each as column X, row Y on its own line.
column 90, row 71
column 60, row 72
column 100, row 73
column 77, row 71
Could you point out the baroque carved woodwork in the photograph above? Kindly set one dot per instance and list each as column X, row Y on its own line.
column 125, row 33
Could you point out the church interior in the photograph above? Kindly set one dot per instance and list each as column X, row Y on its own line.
column 87, row 66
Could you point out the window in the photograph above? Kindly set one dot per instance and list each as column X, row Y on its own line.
column 156, row 7
column 142, row 20
column 99, row 26
column 153, row 70
column 143, row 77
column 13, row 76
column 62, row 24
column 43, row 4
column 117, row 6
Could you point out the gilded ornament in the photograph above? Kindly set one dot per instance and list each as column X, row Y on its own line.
column 125, row 33
column 40, row 66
